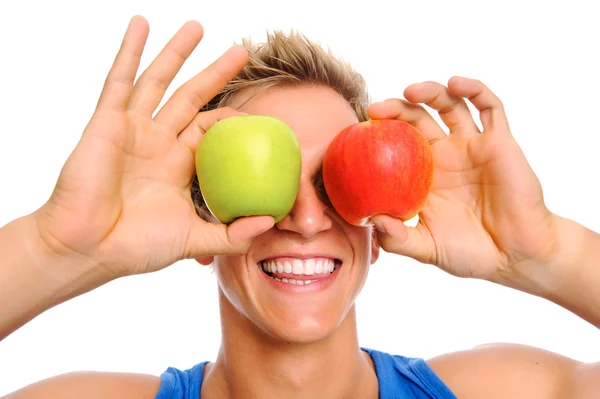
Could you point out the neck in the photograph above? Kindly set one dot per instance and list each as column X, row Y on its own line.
column 252, row 364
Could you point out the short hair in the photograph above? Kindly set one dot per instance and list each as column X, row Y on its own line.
column 288, row 60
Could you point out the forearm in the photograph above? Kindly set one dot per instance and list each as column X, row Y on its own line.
column 34, row 278
column 570, row 277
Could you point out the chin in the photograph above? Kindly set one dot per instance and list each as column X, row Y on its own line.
column 298, row 328
column 289, row 297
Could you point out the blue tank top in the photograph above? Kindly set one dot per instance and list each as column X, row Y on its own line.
column 399, row 377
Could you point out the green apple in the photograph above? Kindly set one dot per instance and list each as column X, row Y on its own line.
column 249, row 165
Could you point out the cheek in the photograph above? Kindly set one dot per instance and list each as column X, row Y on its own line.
column 361, row 239
column 227, row 278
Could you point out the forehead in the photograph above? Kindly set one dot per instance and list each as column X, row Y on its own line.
column 315, row 113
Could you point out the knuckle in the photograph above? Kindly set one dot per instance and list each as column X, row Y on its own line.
column 196, row 99
column 215, row 73
column 178, row 52
column 150, row 79
column 158, row 81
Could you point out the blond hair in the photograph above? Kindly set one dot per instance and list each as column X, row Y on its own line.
column 288, row 60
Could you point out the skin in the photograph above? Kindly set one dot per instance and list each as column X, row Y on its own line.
column 315, row 326
column 484, row 191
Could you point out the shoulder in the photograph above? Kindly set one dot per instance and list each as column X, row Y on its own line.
column 92, row 384
column 508, row 371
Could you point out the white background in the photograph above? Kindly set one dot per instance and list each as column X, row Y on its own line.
column 541, row 60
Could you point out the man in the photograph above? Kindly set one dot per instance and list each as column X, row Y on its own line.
column 126, row 203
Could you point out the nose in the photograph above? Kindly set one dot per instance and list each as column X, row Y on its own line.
column 309, row 215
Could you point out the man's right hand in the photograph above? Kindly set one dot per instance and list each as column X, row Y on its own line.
column 123, row 198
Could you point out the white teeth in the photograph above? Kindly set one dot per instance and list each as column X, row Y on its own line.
column 309, row 267
column 294, row 282
column 319, row 266
column 328, row 266
column 287, row 267
column 306, row 267
column 298, row 266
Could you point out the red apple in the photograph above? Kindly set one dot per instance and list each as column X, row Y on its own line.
column 378, row 167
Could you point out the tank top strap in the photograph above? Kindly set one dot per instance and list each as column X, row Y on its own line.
column 181, row 384
column 406, row 377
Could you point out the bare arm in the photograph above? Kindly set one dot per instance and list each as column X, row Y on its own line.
column 91, row 385
column 486, row 218
column 499, row 371
column 33, row 278
column 486, row 192
column 570, row 274
column 122, row 204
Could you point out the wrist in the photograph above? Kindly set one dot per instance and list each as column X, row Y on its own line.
column 35, row 277
column 571, row 276
column 67, row 269
column 546, row 275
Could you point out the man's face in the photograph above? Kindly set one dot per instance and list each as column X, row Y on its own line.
column 303, row 300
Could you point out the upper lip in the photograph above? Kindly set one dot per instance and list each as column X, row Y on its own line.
column 299, row 256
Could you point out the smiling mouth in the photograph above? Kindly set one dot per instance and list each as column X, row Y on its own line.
column 299, row 271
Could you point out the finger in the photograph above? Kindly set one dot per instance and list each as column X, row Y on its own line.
column 414, row 114
column 209, row 239
column 187, row 100
column 395, row 237
column 491, row 109
column 152, row 84
column 452, row 109
column 201, row 123
column 119, row 82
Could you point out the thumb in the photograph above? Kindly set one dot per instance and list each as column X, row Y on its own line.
column 209, row 239
column 383, row 110
column 395, row 237
column 243, row 231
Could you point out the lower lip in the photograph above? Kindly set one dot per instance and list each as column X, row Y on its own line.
column 322, row 283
